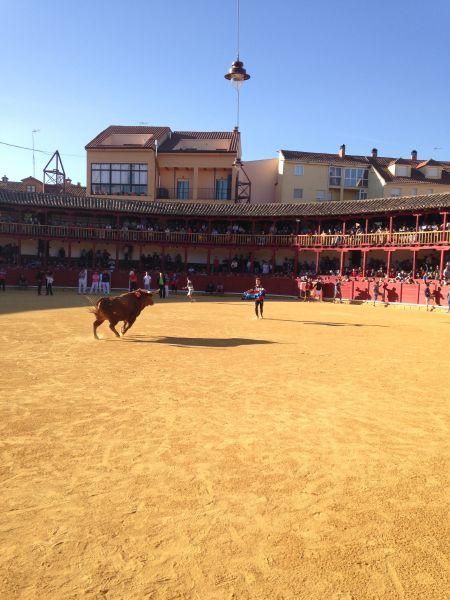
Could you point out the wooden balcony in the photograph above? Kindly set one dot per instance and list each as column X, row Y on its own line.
column 338, row 241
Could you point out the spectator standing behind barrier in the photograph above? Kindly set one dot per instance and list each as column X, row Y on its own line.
column 95, row 282
column 39, row 281
column 166, row 285
column 49, row 279
column 3, row 278
column 106, row 282
column 161, row 285
column 132, row 281
column 427, row 294
column 337, row 291
column 82, row 281
column 147, row 279
column 376, row 292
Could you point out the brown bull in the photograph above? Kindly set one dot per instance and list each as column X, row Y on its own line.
column 126, row 307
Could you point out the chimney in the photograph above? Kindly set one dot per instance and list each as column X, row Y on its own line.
column 413, row 154
column 78, row 184
column 342, row 151
column 68, row 181
column 374, row 152
column 4, row 179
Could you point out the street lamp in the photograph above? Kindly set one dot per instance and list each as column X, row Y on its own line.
column 237, row 73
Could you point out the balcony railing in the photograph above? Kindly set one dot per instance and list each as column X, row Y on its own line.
column 421, row 238
column 188, row 194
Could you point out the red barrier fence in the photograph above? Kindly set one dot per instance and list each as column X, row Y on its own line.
column 357, row 289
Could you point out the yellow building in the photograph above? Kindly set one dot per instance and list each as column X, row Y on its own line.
column 156, row 163
column 311, row 176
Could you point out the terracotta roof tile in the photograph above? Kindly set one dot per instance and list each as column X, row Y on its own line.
column 154, row 133
column 191, row 141
column 322, row 157
column 226, row 209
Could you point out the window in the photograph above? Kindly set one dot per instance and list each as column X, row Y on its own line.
column 31, row 188
column 356, row 177
column 298, row 193
column 362, row 194
column 395, row 192
column 320, row 195
column 402, row 171
column 183, row 189
column 299, row 170
column 223, row 189
column 119, row 178
column 335, row 176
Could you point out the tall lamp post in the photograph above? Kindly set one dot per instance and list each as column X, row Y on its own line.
column 237, row 75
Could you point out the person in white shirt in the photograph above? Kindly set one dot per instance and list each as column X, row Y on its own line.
column 190, row 290
column 82, row 281
column 147, row 281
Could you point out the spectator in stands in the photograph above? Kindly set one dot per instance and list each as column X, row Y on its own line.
column 95, row 282
column 49, row 279
column 147, row 280
column 3, row 278
column 82, row 281
column 446, row 273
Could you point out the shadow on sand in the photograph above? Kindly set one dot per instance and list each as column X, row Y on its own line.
column 188, row 342
column 326, row 323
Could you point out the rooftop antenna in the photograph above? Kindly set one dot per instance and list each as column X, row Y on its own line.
column 32, row 139
column 237, row 75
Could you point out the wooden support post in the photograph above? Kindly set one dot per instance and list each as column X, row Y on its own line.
column 296, row 250
column 367, row 226
column 444, row 228
column 414, row 264
column 208, row 263
column 364, row 253
column 441, row 263
column 391, row 223
column 341, row 265
column 417, row 223
column 274, row 260
column 388, row 266
column 317, row 261
column 344, row 226
column 185, row 258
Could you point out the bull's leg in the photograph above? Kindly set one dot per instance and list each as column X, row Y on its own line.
column 124, row 327
column 97, row 322
column 112, row 326
column 128, row 325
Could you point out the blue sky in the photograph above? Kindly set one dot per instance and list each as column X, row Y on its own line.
column 323, row 73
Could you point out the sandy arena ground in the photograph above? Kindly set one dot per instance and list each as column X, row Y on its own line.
column 208, row 455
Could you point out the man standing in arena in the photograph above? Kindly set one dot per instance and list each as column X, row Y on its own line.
column 190, row 290
column 132, row 283
column 376, row 292
column 3, row 278
column 147, row 280
column 162, row 286
column 82, row 281
column 106, row 282
column 260, row 294
column 338, row 291
column 95, row 281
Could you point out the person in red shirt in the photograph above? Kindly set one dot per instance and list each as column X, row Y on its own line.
column 133, row 279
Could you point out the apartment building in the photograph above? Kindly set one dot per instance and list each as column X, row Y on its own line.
column 156, row 163
column 310, row 176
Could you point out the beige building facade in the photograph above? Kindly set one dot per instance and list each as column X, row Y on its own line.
column 314, row 176
column 156, row 163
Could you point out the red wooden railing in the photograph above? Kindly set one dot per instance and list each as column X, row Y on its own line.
column 421, row 238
